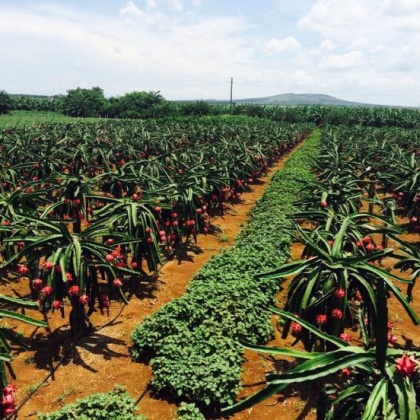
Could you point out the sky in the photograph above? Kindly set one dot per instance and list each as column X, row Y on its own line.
column 359, row 50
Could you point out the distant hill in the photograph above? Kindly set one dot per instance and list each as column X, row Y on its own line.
column 300, row 99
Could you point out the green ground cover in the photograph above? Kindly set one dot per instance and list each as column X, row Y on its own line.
column 193, row 340
column 24, row 118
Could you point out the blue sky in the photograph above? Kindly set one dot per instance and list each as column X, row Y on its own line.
column 360, row 50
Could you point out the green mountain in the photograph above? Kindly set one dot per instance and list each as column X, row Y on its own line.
column 300, row 99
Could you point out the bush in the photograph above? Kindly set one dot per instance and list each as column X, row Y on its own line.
column 114, row 405
column 200, row 366
column 189, row 412
column 223, row 309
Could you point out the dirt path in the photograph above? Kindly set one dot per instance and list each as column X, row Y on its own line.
column 102, row 360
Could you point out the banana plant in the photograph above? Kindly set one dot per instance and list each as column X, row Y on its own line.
column 380, row 383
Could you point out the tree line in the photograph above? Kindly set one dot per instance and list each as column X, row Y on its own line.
column 81, row 102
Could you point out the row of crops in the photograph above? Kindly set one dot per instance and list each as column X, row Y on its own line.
column 351, row 268
column 92, row 103
column 354, row 264
column 86, row 209
column 193, row 341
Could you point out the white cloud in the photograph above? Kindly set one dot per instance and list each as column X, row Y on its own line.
column 374, row 19
column 359, row 12
column 369, row 39
column 408, row 24
column 151, row 4
column 340, row 20
column 155, row 51
column 278, row 46
column 177, row 5
column 359, row 43
column 131, row 11
column 342, row 61
column 404, row 61
column 400, row 7
column 327, row 45
column 191, row 48
column 301, row 78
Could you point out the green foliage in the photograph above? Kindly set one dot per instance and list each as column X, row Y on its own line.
column 25, row 118
column 338, row 267
column 81, row 102
column 145, row 180
column 36, row 103
column 222, row 308
column 224, row 268
column 368, row 392
column 189, row 411
column 75, row 254
column 79, row 207
column 137, row 105
column 198, row 365
column 9, row 309
column 197, row 108
column 114, row 405
column 326, row 268
column 410, row 260
column 149, row 104
column 191, row 338
column 5, row 102
column 336, row 280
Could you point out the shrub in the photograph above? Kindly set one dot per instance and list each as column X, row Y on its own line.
column 198, row 365
column 188, row 411
column 224, row 309
column 113, row 405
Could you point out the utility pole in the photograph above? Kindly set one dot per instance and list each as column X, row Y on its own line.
column 231, row 91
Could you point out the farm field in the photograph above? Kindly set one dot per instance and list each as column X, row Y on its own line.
column 151, row 259
column 149, row 254
column 25, row 118
column 115, row 338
